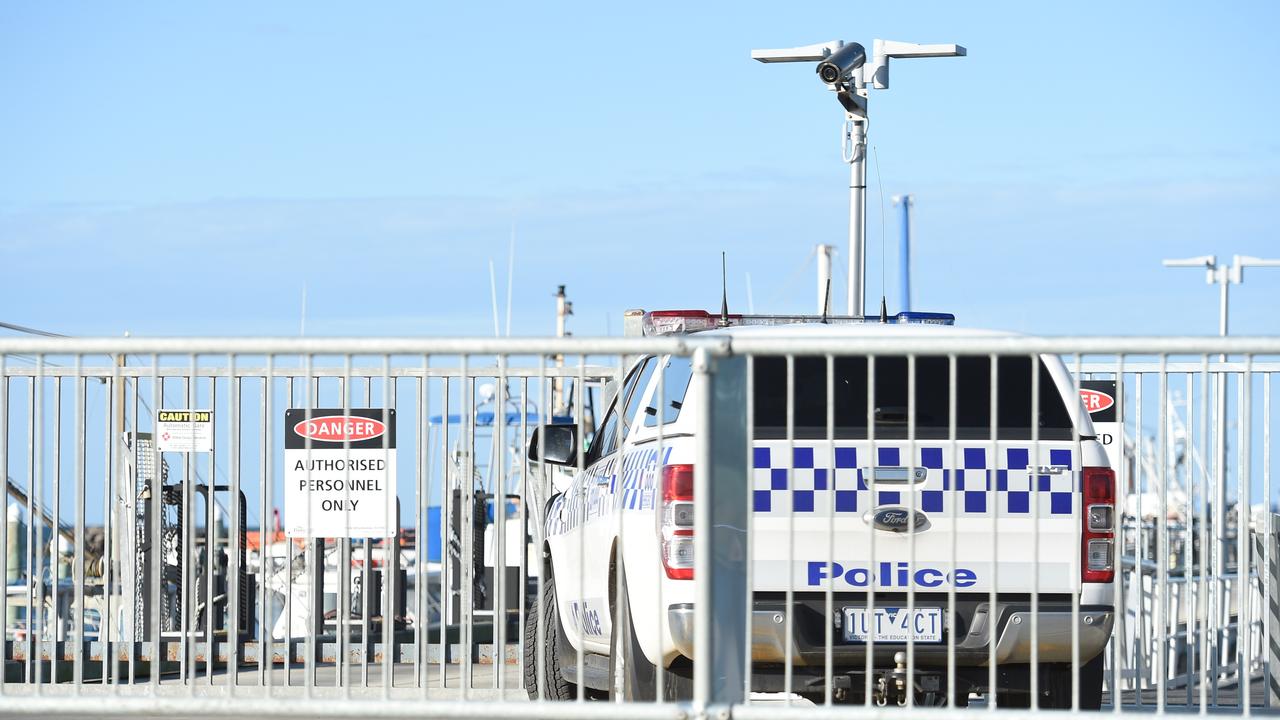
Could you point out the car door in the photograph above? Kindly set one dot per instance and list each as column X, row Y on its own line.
column 600, row 488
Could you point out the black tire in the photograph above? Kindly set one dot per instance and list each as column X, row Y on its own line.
column 627, row 659
column 550, row 682
column 1057, row 685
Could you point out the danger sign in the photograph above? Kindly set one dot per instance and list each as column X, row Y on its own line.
column 340, row 473
column 1099, row 399
column 184, row 430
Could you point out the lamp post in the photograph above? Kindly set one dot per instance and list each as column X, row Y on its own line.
column 1224, row 276
column 846, row 72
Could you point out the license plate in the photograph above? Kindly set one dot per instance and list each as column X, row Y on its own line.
column 890, row 624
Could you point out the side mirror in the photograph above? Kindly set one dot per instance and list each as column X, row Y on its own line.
column 554, row 445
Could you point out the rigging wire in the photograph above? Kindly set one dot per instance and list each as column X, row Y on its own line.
column 875, row 151
column 791, row 279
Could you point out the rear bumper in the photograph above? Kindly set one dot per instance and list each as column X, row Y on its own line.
column 1017, row 631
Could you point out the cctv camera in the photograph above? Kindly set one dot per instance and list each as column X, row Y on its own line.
column 839, row 66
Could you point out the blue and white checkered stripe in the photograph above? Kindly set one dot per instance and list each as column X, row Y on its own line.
column 813, row 481
column 631, row 489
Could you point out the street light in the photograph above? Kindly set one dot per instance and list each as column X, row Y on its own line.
column 1224, row 276
column 844, row 68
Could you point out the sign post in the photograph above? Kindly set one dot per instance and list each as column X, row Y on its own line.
column 340, row 473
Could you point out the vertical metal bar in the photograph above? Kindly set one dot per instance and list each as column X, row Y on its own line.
column 720, row 536
column 390, row 546
column 1077, row 489
column 828, row 593
column 1244, row 548
column 910, row 462
column 660, row 607
column 1218, row 607
column 155, row 496
column 185, row 560
column 313, row 560
column 579, row 519
column 616, row 686
column 749, row 570
column 35, row 545
column 446, row 503
column 1034, row 422
column 342, row 568
column 466, row 565
column 132, row 528
column 789, row 601
column 288, row 577
column 952, row 440
column 55, row 552
column 499, row 474
column 523, row 484
column 114, row 402
column 4, row 528
column 993, row 697
column 1267, row 534
column 1139, row 574
column 78, row 550
column 366, row 573
column 211, row 539
column 233, row 533
column 421, row 540
column 869, row 650
column 1188, row 540
column 267, row 538
column 1118, row 636
column 1203, row 588
column 545, row 396
column 1162, row 541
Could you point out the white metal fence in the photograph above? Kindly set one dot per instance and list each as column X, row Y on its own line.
column 148, row 581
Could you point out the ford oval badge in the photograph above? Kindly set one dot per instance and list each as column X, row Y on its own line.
column 895, row 519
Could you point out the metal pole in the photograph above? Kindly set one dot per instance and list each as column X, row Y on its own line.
column 824, row 278
column 563, row 309
column 905, row 267
column 720, row 542
column 856, row 127
column 1222, row 276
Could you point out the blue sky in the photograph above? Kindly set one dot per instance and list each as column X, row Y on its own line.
column 179, row 169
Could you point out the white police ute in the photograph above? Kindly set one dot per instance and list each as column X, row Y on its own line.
column 936, row 513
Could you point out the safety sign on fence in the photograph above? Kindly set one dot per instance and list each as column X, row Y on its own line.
column 184, row 430
column 340, row 473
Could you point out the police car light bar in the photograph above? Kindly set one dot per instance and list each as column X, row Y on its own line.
column 681, row 322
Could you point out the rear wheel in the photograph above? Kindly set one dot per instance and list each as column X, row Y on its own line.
column 631, row 675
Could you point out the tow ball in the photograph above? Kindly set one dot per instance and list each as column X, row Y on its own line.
column 895, row 685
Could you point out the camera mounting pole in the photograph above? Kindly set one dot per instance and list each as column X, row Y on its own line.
column 844, row 68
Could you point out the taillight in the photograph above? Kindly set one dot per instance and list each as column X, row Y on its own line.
column 1098, row 539
column 677, row 521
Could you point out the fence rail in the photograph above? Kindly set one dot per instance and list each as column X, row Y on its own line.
column 142, row 579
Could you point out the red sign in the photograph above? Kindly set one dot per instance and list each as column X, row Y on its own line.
column 336, row 428
column 1096, row 401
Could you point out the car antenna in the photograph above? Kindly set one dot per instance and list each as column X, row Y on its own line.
column 826, row 302
column 724, row 293
column 884, row 312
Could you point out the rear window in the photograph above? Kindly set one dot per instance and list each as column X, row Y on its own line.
column 973, row 399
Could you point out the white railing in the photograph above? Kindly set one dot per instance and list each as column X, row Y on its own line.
column 115, row 607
